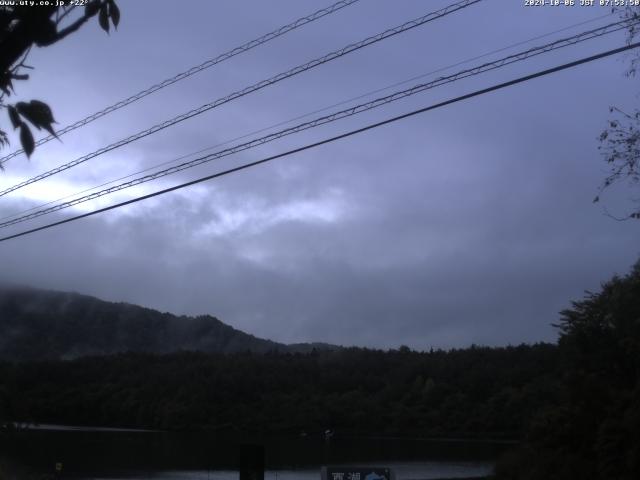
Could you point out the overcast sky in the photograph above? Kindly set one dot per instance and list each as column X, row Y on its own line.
column 468, row 224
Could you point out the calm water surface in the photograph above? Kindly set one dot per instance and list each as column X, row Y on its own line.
column 198, row 456
column 403, row 471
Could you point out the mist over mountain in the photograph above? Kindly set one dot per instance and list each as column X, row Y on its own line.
column 40, row 324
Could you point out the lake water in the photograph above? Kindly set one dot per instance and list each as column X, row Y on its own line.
column 403, row 471
column 111, row 454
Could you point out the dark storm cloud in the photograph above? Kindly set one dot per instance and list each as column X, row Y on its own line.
column 469, row 224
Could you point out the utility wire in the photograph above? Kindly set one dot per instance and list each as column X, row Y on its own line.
column 517, row 57
column 299, row 117
column 335, row 138
column 258, row 86
column 192, row 71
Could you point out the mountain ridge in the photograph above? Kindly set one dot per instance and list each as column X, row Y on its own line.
column 38, row 324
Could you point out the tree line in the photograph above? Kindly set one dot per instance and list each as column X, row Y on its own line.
column 574, row 405
column 468, row 392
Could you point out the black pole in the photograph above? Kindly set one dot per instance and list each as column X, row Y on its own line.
column 251, row 462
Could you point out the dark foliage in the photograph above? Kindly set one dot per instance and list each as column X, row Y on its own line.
column 595, row 432
column 37, row 325
column 576, row 405
column 277, row 388
column 476, row 392
column 620, row 141
column 25, row 26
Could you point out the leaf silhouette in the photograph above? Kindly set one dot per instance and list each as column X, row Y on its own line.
column 103, row 18
column 38, row 113
column 114, row 13
column 42, row 111
column 25, row 110
column 14, row 116
column 26, row 139
column 92, row 8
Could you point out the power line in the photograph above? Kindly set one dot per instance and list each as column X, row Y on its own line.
column 517, row 57
column 335, row 138
column 255, row 87
column 192, row 71
column 299, row 117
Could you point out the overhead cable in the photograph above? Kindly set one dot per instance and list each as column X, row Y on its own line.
column 308, row 114
column 378, row 102
column 192, row 71
column 258, row 86
column 333, row 139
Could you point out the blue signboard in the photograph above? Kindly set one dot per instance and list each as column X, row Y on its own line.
column 356, row 473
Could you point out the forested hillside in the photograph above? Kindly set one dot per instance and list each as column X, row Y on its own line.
column 476, row 392
column 38, row 325
column 594, row 431
column 574, row 405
